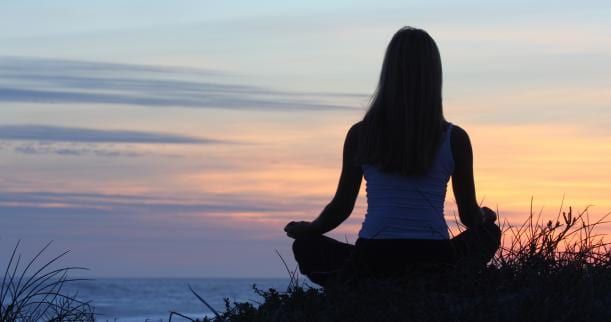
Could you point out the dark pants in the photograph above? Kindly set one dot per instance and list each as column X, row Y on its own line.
column 323, row 259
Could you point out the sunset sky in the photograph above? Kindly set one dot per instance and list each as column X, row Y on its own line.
column 177, row 138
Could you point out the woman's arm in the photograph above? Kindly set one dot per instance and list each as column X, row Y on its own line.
column 462, row 179
column 347, row 191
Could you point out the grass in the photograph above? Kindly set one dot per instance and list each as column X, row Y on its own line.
column 557, row 270
column 34, row 291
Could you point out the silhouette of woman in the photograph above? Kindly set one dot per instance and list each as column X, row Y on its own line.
column 407, row 152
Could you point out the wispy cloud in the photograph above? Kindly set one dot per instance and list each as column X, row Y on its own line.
column 81, row 150
column 48, row 81
column 72, row 141
column 205, row 205
column 45, row 133
column 42, row 66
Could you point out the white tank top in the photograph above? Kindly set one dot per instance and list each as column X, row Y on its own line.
column 400, row 207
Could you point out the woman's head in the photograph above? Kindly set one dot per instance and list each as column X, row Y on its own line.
column 403, row 126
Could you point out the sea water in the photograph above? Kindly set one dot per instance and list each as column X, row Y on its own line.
column 152, row 299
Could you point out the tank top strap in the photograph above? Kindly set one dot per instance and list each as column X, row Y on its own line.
column 447, row 135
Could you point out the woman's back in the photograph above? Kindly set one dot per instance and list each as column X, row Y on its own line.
column 402, row 207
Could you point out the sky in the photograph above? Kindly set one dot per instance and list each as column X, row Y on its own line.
column 177, row 138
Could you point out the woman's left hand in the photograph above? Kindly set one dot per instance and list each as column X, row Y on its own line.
column 488, row 215
column 296, row 229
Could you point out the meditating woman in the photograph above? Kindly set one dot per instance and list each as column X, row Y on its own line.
column 407, row 152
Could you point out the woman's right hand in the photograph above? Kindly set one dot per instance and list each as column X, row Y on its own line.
column 297, row 229
column 488, row 215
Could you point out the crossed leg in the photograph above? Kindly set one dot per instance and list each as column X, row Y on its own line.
column 322, row 258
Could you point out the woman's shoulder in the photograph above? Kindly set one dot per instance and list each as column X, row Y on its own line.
column 352, row 139
column 460, row 142
column 354, row 131
column 458, row 134
column 356, row 126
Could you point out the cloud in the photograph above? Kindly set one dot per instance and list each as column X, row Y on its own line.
column 45, row 133
column 50, row 81
column 38, row 203
column 80, row 150
column 72, row 141
column 38, row 66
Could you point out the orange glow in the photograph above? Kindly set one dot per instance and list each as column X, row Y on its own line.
column 285, row 181
column 511, row 163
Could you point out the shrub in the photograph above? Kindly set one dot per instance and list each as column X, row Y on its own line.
column 544, row 271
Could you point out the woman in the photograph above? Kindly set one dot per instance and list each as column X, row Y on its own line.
column 407, row 152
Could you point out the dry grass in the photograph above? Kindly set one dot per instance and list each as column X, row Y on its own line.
column 555, row 270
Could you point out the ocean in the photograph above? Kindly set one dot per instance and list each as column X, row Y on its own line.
column 152, row 299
